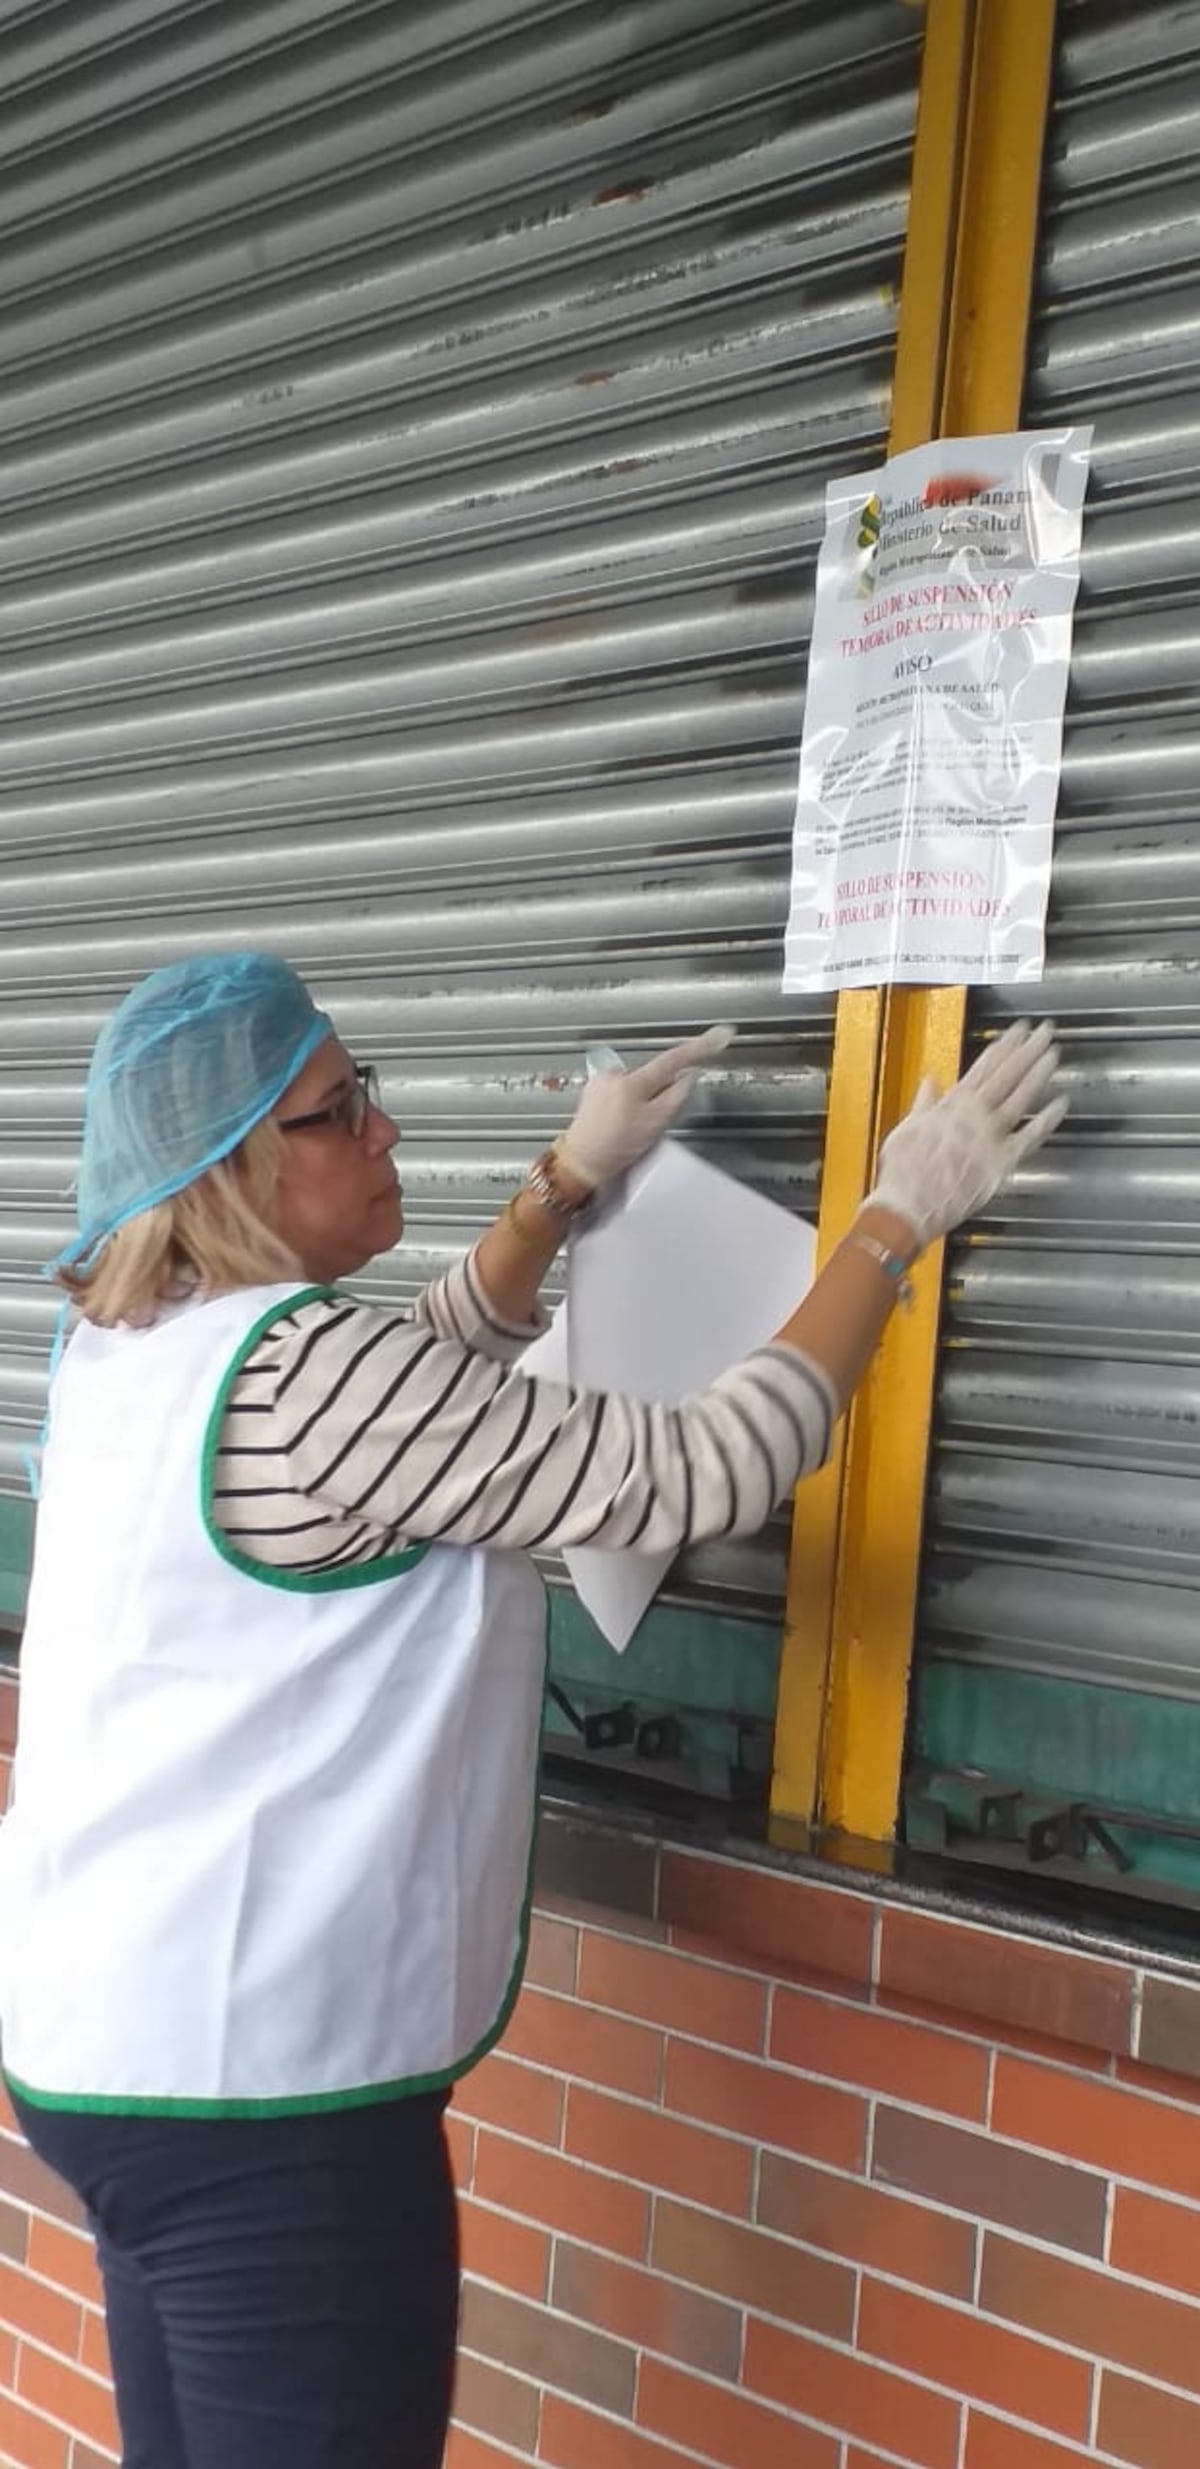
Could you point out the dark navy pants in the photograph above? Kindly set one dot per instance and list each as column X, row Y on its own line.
column 281, row 2293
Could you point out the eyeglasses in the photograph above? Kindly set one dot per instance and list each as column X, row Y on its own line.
column 349, row 1111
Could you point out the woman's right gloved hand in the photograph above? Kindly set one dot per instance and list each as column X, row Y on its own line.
column 948, row 1155
column 622, row 1114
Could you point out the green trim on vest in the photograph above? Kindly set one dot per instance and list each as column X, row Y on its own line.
column 292, row 1581
column 313, row 2104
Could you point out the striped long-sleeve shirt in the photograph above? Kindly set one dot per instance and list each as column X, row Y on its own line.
column 351, row 1431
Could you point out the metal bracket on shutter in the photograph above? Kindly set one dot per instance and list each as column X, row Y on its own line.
column 654, row 1736
column 685, row 1749
column 611, row 1727
column 947, row 1810
column 1070, row 1833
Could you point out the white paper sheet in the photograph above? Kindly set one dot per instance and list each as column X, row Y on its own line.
column 933, row 717
column 678, row 1275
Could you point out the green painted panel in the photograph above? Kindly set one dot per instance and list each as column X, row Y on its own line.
column 715, row 1675
column 16, row 1553
column 1068, row 1736
column 699, row 1659
column 1067, row 1740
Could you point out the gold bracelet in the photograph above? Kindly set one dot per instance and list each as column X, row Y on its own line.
column 542, row 1182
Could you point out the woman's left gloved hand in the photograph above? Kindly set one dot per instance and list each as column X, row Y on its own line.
column 948, row 1155
column 621, row 1114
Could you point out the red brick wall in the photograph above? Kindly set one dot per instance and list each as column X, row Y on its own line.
column 768, row 2172
column 905, row 2194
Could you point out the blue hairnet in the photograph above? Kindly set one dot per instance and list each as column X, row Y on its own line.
column 195, row 1055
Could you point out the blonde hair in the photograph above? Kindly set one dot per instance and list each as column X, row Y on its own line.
column 213, row 1234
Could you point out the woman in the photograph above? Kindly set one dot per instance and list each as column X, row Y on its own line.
column 265, row 1876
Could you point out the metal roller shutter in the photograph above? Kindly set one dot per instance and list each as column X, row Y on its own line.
column 414, row 427
column 1060, row 1625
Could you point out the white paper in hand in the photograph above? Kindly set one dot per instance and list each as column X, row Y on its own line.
column 678, row 1275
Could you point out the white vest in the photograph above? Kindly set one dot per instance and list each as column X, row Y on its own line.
column 271, row 1836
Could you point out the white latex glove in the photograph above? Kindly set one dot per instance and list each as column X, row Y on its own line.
column 621, row 1114
column 948, row 1155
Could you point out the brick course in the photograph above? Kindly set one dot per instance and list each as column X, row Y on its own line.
column 738, row 2192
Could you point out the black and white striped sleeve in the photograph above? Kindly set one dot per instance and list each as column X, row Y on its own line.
column 457, row 1306
column 382, row 1420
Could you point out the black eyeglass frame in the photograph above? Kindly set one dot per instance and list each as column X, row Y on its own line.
column 349, row 1111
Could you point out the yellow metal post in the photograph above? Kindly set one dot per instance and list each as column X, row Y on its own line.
column 850, row 1140
column 964, row 311
column 816, row 1512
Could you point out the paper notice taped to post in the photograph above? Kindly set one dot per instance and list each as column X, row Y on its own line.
column 933, row 719
column 676, row 1277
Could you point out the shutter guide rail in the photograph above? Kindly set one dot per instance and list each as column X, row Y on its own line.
column 853, row 1574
